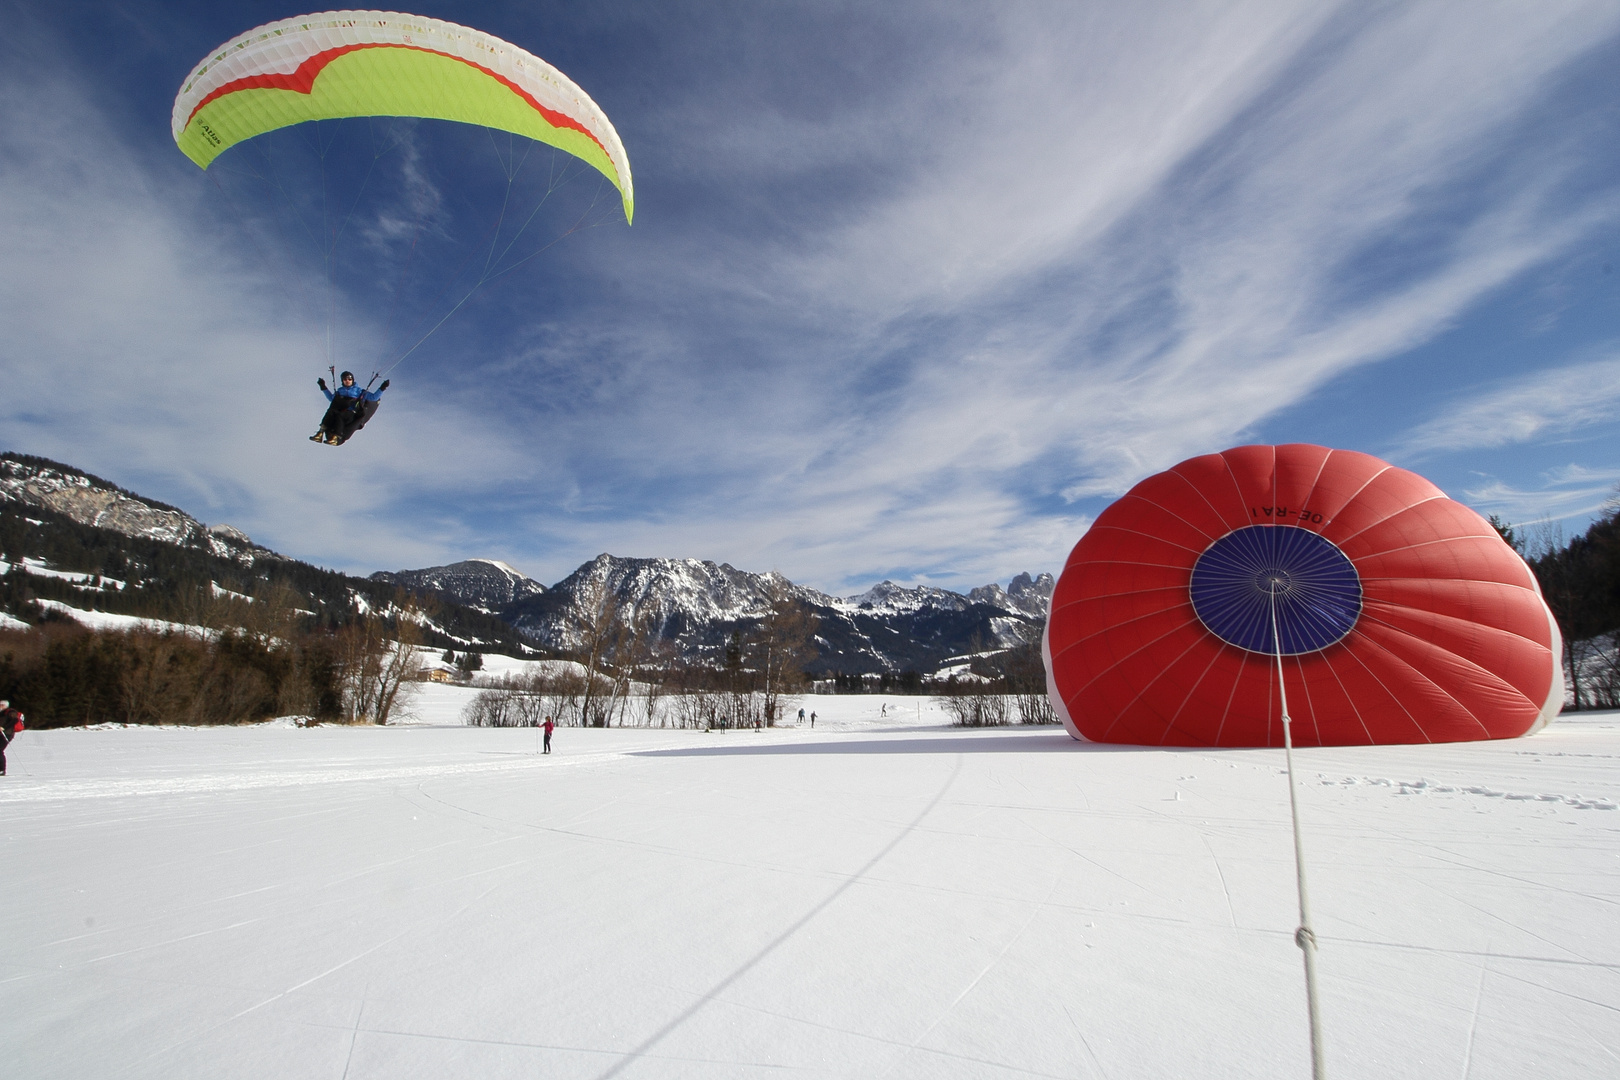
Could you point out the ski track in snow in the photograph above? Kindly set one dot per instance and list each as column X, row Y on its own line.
column 715, row 992
column 863, row 901
column 219, row 783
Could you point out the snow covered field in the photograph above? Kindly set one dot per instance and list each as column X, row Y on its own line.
column 865, row 900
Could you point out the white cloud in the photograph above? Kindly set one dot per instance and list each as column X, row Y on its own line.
column 1541, row 404
column 1572, row 491
column 1241, row 261
column 1079, row 244
column 143, row 345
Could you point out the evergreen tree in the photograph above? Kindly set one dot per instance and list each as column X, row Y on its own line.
column 1581, row 583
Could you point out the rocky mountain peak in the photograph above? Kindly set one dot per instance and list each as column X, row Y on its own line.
column 669, row 591
column 1026, row 595
column 90, row 500
column 486, row 584
column 886, row 596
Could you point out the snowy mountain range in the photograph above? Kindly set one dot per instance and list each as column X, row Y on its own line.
column 698, row 605
column 80, row 547
column 90, row 500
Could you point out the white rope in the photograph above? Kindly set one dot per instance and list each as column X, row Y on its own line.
column 1304, row 936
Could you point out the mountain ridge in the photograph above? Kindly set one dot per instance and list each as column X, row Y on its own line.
column 89, row 500
column 485, row 584
column 71, row 541
column 699, row 605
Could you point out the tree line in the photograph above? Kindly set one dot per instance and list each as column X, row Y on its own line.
column 252, row 636
column 1580, row 579
column 629, row 674
column 241, row 662
column 1004, row 687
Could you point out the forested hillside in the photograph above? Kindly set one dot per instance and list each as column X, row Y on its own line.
column 235, row 631
column 101, row 570
column 1581, row 581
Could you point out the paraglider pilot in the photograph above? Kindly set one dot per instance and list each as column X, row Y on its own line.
column 351, row 407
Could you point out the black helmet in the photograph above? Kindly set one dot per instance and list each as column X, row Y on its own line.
column 348, row 375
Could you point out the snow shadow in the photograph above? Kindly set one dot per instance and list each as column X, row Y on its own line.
column 956, row 744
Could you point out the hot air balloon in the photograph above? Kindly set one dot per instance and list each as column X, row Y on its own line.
column 1400, row 616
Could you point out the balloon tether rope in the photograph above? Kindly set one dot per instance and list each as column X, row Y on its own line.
column 1304, row 936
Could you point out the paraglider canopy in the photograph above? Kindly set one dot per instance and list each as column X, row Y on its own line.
column 384, row 63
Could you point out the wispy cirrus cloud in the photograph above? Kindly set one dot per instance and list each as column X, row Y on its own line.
column 1072, row 345
column 911, row 288
column 1538, row 405
column 1566, row 492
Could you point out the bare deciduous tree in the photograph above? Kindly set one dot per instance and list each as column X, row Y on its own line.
column 781, row 645
column 377, row 675
column 592, row 624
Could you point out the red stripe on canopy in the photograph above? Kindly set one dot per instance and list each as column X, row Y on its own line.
column 302, row 81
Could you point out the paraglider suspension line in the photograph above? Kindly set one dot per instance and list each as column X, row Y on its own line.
column 1304, row 936
column 497, row 263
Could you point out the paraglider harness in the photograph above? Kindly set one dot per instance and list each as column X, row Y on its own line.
column 347, row 414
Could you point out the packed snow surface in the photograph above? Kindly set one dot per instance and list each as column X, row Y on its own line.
column 879, row 897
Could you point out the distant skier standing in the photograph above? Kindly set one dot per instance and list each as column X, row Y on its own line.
column 548, row 726
column 11, row 722
column 801, row 716
column 812, row 721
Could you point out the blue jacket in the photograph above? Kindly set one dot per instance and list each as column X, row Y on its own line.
column 356, row 391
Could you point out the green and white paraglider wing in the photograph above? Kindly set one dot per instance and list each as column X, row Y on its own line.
column 382, row 63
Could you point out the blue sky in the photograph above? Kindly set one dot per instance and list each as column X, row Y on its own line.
column 913, row 290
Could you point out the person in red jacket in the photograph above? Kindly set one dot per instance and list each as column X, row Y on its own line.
column 549, row 725
column 11, row 722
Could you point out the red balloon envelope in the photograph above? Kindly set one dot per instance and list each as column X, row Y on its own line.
column 1400, row 615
